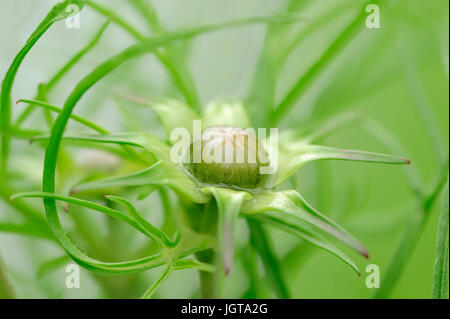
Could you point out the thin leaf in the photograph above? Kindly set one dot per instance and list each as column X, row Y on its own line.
column 171, row 113
column 164, row 275
column 92, row 264
column 57, row 13
column 192, row 263
column 293, row 156
column 293, row 204
column 422, row 102
column 315, row 24
column 128, row 152
column 288, row 211
column 320, row 130
column 313, row 238
column 157, row 235
column 27, row 229
column 74, row 117
column 171, row 56
column 401, row 255
column 77, row 57
column 146, row 141
column 116, row 19
column 441, row 270
column 179, row 72
column 44, row 89
column 94, row 206
column 333, row 50
column 261, row 97
column 228, row 204
column 270, row 261
column 159, row 174
column 19, row 133
column 387, row 138
column 52, row 265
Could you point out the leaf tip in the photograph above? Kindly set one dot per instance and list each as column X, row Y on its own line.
column 363, row 252
column 227, row 270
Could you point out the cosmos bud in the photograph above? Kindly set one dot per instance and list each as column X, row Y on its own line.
column 230, row 156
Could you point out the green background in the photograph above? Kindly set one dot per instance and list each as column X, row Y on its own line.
column 390, row 74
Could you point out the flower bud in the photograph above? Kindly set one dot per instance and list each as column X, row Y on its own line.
column 227, row 156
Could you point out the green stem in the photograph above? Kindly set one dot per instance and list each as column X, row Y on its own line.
column 6, row 291
column 270, row 261
column 180, row 75
column 165, row 274
column 209, row 282
column 408, row 242
column 440, row 277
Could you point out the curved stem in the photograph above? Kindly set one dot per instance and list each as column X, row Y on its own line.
column 164, row 275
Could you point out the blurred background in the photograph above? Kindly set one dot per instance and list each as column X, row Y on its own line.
column 396, row 75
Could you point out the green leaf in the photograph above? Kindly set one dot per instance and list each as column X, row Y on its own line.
column 74, row 117
column 27, row 229
column 33, row 215
column 164, row 275
column 171, row 59
column 228, row 204
column 160, row 173
column 422, row 102
column 402, row 254
column 171, row 113
column 289, row 211
column 171, row 56
column 333, row 50
column 178, row 265
column 99, row 208
column 261, row 97
column 317, row 131
column 156, row 234
column 58, row 12
column 192, row 263
column 271, row 265
column 393, row 144
column 45, row 88
column 294, row 204
column 52, row 265
column 108, row 13
column 146, row 141
column 77, row 57
column 441, row 270
column 222, row 113
column 92, row 264
column 292, row 156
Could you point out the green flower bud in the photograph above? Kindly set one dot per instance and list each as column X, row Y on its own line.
column 227, row 156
